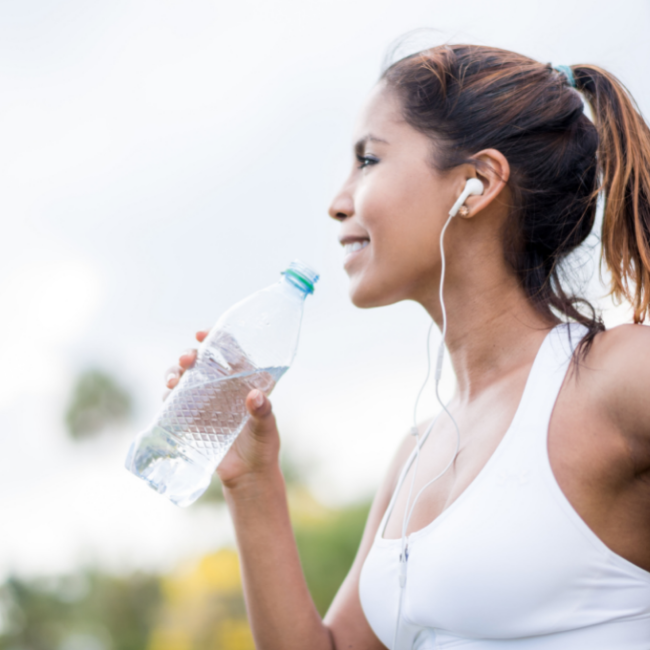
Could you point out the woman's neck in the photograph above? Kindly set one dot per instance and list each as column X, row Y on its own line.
column 492, row 328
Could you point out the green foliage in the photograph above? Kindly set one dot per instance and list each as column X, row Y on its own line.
column 97, row 402
column 90, row 610
column 328, row 549
column 87, row 610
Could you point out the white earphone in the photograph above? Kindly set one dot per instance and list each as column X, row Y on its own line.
column 473, row 187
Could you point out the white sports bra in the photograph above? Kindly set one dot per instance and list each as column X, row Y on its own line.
column 510, row 565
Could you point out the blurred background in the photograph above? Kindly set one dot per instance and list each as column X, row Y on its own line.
column 159, row 161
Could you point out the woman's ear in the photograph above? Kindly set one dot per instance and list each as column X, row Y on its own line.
column 493, row 170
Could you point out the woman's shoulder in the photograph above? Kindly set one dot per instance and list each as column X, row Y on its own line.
column 614, row 377
column 622, row 354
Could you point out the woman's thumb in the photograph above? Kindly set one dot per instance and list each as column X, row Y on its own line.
column 261, row 412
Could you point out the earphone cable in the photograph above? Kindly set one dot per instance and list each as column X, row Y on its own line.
column 408, row 512
column 415, row 432
column 410, row 506
column 426, row 379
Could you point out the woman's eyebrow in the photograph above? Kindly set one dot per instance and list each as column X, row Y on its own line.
column 360, row 145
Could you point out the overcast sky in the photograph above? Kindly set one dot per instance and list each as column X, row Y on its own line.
column 159, row 161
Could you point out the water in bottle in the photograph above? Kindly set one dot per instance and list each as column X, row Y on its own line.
column 251, row 346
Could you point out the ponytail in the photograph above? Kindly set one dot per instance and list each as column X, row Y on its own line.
column 623, row 160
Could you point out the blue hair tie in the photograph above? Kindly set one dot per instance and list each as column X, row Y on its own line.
column 567, row 72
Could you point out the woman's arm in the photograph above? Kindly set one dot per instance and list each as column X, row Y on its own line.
column 345, row 618
column 281, row 611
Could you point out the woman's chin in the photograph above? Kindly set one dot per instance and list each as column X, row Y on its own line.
column 362, row 302
column 365, row 297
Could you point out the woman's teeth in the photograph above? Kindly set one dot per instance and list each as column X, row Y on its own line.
column 348, row 249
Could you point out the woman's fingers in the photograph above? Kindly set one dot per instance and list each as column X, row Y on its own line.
column 187, row 359
column 173, row 375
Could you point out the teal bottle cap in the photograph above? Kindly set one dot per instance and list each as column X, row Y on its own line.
column 300, row 273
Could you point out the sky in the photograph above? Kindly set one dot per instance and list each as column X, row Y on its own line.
column 161, row 160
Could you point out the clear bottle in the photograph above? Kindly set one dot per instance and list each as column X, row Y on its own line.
column 251, row 346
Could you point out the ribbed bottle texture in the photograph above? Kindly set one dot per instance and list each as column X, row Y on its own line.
column 251, row 346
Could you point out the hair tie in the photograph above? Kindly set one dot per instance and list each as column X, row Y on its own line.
column 567, row 72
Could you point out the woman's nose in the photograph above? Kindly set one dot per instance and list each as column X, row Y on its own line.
column 342, row 206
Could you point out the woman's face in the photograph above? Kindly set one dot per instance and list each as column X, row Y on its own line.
column 392, row 208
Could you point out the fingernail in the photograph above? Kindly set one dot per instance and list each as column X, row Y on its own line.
column 171, row 376
column 189, row 352
column 258, row 400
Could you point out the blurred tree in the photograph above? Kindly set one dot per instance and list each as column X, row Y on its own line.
column 97, row 401
column 198, row 606
column 84, row 611
column 327, row 545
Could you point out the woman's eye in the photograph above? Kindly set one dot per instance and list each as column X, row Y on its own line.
column 364, row 161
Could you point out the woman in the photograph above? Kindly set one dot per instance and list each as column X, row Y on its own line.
column 538, row 536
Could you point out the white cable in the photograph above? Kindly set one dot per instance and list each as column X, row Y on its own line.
column 418, row 445
column 424, row 383
column 399, row 616
column 441, row 349
column 415, row 431
column 408, row 512
column 442, row 300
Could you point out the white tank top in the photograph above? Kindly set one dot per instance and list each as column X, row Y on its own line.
column 510, row 565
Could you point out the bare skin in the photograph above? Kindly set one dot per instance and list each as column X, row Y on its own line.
column 599, row 434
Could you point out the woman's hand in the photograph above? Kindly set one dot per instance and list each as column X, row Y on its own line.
column 255, row 450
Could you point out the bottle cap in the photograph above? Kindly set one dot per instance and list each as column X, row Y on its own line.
column 301, row 274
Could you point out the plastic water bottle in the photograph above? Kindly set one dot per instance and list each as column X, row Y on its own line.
column 251, row 346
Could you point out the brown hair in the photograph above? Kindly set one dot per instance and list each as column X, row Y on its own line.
column 468, row 98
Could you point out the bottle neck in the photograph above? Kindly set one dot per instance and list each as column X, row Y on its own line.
column 294, row 284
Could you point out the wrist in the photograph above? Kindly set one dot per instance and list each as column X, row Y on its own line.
column 255, row 484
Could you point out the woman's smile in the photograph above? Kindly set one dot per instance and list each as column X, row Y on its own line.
column 352, row 248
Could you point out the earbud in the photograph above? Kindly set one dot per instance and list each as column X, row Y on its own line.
column 473, row 187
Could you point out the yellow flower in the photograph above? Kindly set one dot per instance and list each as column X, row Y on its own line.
column 234, row 634
column 163, row 639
